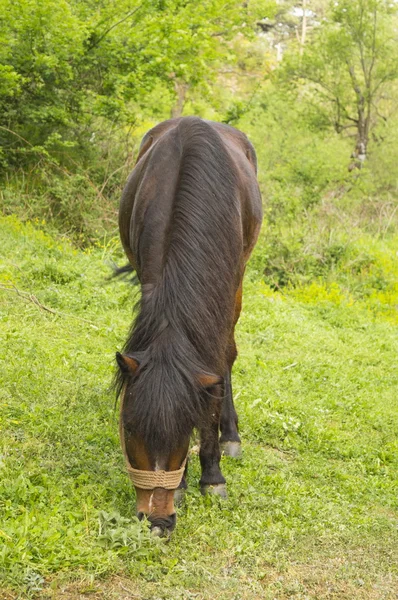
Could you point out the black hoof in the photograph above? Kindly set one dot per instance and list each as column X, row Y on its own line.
column 217, row 490
column 232, row 449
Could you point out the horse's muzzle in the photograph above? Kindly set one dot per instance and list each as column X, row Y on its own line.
column 160, row 526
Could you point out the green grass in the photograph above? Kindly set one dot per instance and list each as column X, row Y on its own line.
column 313, row 506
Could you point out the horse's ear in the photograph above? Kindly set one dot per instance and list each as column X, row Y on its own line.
column 127, row 364
column 207, row 380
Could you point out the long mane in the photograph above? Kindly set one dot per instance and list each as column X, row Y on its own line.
column 184, row 321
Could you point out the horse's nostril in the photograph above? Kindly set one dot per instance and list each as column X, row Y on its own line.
column 162, row 526
column 140, row 516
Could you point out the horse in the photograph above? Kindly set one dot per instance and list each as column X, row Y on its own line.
column 189, row 218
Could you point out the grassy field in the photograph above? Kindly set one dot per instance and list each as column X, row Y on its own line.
column 312, row 511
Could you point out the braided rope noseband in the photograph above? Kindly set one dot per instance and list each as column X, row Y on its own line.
column 148, row 480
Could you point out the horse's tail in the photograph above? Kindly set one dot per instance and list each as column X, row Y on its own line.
column 124, row 272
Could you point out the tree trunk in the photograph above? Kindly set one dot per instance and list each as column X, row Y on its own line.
column 304, row 28
column 181, row 89
column 362, row 123
column 361, row 148
column 361, row 145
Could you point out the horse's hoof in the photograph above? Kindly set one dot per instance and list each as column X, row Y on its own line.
column 179, row 496
column 232, row 449
column 217, row 490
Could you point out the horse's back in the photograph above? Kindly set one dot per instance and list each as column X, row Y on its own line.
column 148, row 199
column 245, row 162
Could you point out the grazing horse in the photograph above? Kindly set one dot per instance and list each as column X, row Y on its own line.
column 189, row 218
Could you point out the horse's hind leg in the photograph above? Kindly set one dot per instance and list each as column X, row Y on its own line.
column 212, row 480
column 229, row 440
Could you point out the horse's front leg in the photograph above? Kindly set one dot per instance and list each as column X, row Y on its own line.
column 212, row 480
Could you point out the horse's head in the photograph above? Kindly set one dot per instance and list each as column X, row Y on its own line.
column 156, row 422
column 155, row 475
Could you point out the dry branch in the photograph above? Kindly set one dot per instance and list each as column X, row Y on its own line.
column 32, row 298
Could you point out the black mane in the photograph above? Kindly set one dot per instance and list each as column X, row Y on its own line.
column 184, row 319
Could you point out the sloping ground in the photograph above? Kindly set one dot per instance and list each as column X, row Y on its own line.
column 313, row 506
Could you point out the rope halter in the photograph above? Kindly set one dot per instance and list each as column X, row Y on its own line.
column 149, row 480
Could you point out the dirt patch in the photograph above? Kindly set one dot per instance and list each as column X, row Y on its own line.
column 329, row 580
column 323, row 581
column 116, row 588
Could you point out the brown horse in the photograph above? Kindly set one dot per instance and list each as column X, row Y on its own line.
column 189, row 218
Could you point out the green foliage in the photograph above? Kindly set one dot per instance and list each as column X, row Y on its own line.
column 82, row 83
column 348, row 66
column 67, row 64
column 40, row 41
column 79, row 85
column 316, row 211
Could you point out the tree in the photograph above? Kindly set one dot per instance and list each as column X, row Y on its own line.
column 65, row 66
column 349, row 65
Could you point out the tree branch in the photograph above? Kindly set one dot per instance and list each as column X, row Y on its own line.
column 372, row 63
column 99, row 40
column 355, row 83
column 32, row 298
